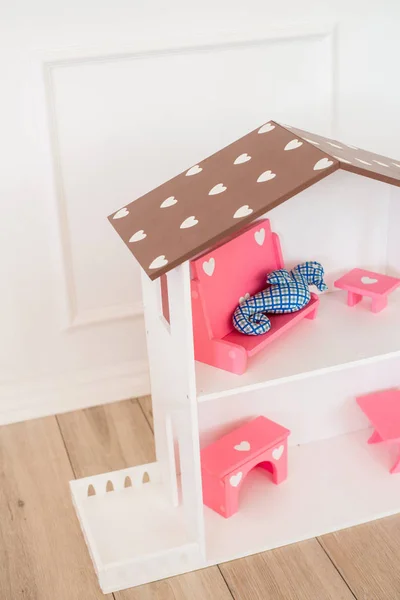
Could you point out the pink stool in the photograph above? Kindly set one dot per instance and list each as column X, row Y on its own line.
column 226, row 462
column 359, row 283
column 383, row 410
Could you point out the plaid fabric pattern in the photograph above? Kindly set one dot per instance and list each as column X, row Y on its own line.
column 287, row 292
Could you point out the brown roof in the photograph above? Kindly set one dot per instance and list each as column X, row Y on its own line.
column 230, row 189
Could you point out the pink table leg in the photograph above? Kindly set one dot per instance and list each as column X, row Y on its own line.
column 396, row 466
column 353, row 298
column 375, row 438
column 379, row 304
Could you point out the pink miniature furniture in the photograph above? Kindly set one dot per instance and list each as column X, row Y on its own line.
column 226, row 462
column 383, row 410
column 359, row 283
column 220, row 279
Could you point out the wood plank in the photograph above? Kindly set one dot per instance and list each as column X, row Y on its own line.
column 42, row 553
column 147, row 408
column 298, row 572
column 207, row 584
column 367, row 556
column 116, row 436
column 107, row 438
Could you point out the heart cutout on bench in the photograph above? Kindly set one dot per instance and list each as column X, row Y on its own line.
column 242, row 447
column 368, row 280
column 277, row 452
column 234, row 480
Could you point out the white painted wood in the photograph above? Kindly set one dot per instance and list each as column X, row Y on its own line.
column 340, row 337
column 393, row 240
column 173, row 390
column 332, row 484
column 313, row 408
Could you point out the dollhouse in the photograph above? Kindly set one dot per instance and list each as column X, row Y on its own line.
column 225, row 403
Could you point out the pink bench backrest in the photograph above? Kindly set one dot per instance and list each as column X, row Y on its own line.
column 231, row 271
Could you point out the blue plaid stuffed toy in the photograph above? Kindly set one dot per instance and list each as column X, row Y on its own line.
column 288, row 292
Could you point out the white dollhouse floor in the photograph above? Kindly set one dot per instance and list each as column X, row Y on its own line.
column 339, row 337
column 332, row 484
column 134, row 523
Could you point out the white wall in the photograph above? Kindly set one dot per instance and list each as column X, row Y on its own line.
column 102, row 101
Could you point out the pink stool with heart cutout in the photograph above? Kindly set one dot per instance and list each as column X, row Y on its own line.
column 225, row 463
column 360, row 282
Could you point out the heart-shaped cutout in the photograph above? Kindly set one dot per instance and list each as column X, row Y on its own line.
column 293, row 145
column 311, row 141
column 368, row 280
column 378, row 162
column 243, row 158
column 259, row 236
column 242, row 447
column 324, row 163
column 158, row 262
column 266, row 176
column 121, row 213
column 193, row 171
column 396, row 165
column 217, row 189
column 234, row 480
column 138, row 236
column 277, row 452
column 189, row 222
column 335, row 145
column 243, row 211
column 169, row 202
column 244, row 298
column 266, row 128
column 209, row 266
column 364, row 162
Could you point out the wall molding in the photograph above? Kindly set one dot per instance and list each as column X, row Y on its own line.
column 139, row 49
column 30, row 399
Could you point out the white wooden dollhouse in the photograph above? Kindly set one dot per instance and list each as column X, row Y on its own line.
column 326, row 201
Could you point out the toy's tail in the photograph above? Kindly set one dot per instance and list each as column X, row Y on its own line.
column 248, row 319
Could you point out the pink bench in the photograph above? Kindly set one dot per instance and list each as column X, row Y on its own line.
column 225, row 464
column 220, row 278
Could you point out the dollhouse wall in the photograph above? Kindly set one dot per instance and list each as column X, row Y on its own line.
column 342, row 222
column 393, row 247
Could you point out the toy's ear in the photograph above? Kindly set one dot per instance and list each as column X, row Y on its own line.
column 279, row 276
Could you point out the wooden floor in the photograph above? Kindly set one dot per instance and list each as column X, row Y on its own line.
column 43, row 555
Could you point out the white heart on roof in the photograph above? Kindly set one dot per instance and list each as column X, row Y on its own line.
column 169, row 202
column 138, row 236
column 368, row 280
column 209, row 266
column 189, row 222
column 364, row 162
column 217, row 189
column 312, row 141
column 292, row 145
column 121, row 213
column 277, row 452
column 335, row 145
column 266, row 176
column 193, row 171
column 158, row 262
column 324, row 163
column 396, row 165
column 243, row 158
column 234, row 480
column 244, row 298
column 380, row 163
column 259, row 236
column 242, row 447
column 243, row 211
column 352, row 147
column 266, row 128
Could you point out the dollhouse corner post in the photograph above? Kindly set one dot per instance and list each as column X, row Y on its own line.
column 173, row 389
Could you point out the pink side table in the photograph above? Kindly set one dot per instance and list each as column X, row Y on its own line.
column 383, row 411
column 360, row 282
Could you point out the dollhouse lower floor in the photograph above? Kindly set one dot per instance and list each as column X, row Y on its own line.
column 336, row 479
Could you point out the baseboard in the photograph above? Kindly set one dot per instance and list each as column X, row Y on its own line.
column 23, row 400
